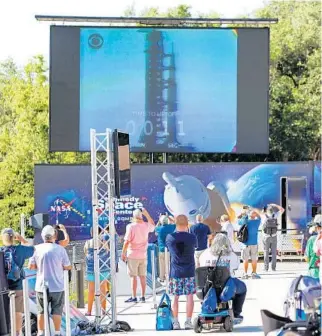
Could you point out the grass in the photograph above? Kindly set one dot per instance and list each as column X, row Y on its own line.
column 73, row 296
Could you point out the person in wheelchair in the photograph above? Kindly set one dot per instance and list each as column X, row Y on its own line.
column 221, row 247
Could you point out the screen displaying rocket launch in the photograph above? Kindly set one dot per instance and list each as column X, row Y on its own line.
column 193, row 90
column 171, row 89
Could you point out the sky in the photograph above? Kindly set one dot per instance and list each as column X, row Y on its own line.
column 22, row 37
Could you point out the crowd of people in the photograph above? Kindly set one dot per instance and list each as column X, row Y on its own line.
column 50, row 260
column 189, row 246
column 193, row 246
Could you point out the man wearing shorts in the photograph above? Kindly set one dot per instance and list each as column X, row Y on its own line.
column 135, row 250
column 181, row 245
column 50, row 260
column 20, row 254
column 250, row 249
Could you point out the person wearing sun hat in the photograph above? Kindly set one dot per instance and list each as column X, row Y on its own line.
column 20, row 253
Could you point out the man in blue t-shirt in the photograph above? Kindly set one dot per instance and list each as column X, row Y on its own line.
column 20, row 254
column 250, row 249
column 164, row 228
column 181, row 245
column 202, row 232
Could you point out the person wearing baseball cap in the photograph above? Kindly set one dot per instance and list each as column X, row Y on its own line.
column 135, row 250
column 311, row 257
column 50, row 260
column 17, row 253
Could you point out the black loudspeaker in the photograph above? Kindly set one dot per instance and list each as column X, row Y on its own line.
column 4, row 300
column 3, row 278
column 38, row 221
column 122, row 164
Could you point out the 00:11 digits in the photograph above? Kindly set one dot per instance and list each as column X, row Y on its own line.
column 148, row 128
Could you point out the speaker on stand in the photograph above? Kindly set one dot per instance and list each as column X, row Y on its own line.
column 37, row 222
column 4, row 300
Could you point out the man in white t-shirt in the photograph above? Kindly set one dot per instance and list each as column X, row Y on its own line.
column 50, row 260
column 221, row 246
column 227, row 227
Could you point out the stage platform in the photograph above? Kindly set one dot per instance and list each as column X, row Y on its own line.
column 268, row 292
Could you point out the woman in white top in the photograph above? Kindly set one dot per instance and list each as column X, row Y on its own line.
column 226, row 226
column 221, row 245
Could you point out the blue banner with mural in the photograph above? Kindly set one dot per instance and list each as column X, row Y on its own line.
column 64, row 191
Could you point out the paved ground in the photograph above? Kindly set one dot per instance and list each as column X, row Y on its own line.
column 265, row 293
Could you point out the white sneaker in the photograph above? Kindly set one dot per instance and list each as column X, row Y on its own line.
column 176, row 325
column 188, row 325
column 245, row 276
column 255, row 276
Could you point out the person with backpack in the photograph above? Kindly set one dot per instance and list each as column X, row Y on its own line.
column 249, row 222
column 269, row 228
column 221, row 253
column 15, row 257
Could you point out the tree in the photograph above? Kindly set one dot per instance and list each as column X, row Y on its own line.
column 295, row 105
column 181, row 11
column 24, row 136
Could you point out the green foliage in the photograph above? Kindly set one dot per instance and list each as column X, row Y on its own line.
column 295, row 100
column 24, row 136
column 295, row 106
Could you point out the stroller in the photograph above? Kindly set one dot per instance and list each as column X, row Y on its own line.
column 303, row 298
column 301, row 309
column 221, row 315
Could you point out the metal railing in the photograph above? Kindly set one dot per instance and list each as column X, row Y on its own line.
column 290, row 244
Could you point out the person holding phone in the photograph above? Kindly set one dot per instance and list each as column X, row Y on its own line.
column 165, row 227
column 135, row 250
column 62, row 235
column 16, row 256
column 50, row 260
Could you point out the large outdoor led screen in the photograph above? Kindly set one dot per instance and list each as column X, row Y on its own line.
column 172, row 90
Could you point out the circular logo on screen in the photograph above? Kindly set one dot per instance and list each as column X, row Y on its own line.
column 95, row 41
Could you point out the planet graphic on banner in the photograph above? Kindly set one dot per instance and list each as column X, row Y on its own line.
column 258, row 187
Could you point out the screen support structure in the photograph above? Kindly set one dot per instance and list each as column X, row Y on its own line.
column 102, row 169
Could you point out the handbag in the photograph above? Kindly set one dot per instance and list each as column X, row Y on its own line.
column 164, row 314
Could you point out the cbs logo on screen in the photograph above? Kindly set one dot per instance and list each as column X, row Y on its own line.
column 95, row 41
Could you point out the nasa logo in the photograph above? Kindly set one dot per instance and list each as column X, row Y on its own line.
column 95, row 41
column 59, row 207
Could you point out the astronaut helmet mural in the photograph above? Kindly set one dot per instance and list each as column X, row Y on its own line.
column 254, row 185
column 187, row 195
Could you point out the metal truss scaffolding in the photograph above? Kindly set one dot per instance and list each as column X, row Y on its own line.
column 102, row 168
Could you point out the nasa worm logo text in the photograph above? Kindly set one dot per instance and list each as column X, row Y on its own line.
column 95, row 41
